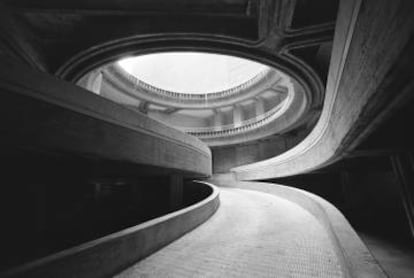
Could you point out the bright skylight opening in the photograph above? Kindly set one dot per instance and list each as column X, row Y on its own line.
column 192, row 72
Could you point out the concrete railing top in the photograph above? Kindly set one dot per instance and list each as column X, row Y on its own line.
column 194, row 96
column 356, row 260
column 127, row 133
column 110, row 254
column 141, row 90
column 244, row 126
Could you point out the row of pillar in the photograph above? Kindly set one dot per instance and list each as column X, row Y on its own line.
column 238, row 113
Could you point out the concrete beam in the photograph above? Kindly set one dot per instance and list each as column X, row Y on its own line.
column 314, row 35
column 237, row 115
column 218, row 117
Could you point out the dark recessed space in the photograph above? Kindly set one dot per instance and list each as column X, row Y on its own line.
column 308, row 12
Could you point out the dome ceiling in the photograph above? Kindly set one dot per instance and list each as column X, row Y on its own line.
column 192, row 72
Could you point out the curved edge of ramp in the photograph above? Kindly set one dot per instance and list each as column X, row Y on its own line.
column 357, row 260
column 110, row 254
column 40, row 112
column 360, row 88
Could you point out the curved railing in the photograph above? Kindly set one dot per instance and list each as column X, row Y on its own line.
column 106, row 256
column 217, row 133
column 356, row 260
column 244, row 126
column 139, row 84
column 293, row 101
column 92, row 117
column 134, row 87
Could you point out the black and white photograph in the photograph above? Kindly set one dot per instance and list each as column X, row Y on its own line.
column 207, row 138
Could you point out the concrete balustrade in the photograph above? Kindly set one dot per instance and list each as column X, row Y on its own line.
column 139, row 89
column 108, row 255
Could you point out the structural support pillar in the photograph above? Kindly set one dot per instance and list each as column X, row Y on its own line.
column 218, row 118
column 97, row 83
column 143, row 107
column 260, row 107
column 237, row 115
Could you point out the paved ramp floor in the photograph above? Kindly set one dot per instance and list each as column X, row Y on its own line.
column 252, row 234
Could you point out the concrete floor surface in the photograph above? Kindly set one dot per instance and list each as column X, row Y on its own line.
column 252, row 234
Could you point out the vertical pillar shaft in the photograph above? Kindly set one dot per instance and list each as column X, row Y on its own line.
column 96, row 87
column 260, row 109
column 237, row 115
column 218, row 118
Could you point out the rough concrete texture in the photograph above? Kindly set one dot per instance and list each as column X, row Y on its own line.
column 108, row 255
column 357, row 261
column 253, row 234
column 93, row 126
column 358, row 81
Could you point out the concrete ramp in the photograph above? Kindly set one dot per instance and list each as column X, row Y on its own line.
column 253, row 234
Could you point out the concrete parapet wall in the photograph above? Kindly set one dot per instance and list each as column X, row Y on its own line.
column 40, row 112
column 108, row 255
column 357, row 261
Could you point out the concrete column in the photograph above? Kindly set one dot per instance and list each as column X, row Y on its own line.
column 143, row 107
column 218, row 118
column 96, row 86
column 260, row 107
column 176, row 192
column 237, row 115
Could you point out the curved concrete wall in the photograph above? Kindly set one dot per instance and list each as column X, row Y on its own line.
column 295, row 110
column 357, row 261
column 359, row 83
column 109, row 255
column 227, row 157
column 44, row 113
